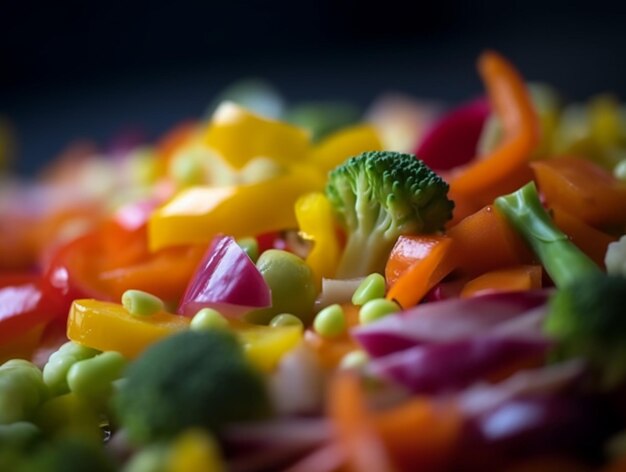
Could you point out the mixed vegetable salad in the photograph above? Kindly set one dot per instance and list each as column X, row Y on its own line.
column 311, row 288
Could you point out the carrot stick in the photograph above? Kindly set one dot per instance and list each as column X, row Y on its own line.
column 505, row 168
column 514, row 279
column 423, row 274
column 355, row 431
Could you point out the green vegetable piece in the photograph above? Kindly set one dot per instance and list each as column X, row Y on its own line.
column 70, row 415
column 285, row 319
column 56, row 369
column 323, row 119
column 140, row 303
column 563, row 261
column 190, row 379
column 373, row 286
column 354, row 360
column 250, row 246
column 68, row 454
column 21, row 432
column 93, row 378
column 587, row 318
column 330, row 321
column 187, row 169
column 148, row 459
column 379, row 196
column 377, row 309
column 292, row 284
column 22, row 390
column 208, row 319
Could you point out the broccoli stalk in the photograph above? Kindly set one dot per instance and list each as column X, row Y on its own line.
column 586, row 313
column 380, row 196
column 562, row 260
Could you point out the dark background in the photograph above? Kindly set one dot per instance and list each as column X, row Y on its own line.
column 91, row 68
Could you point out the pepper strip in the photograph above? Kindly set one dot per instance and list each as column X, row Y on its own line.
column 489, row 176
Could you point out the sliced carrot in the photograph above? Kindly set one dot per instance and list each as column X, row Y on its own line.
column 514, row 279
column 485, row 241
column 420, row 434
column 583, row 189
column 408, row 249
column 424, row 273
column 591, row 241
column 506, row 167
column 364, row 449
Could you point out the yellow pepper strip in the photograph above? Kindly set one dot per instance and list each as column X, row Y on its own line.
column 193, row 451
column 265, row 345
column 110, row 327
column 197, row 214
column 315, row 219
column 239, row 136
column 348, row 142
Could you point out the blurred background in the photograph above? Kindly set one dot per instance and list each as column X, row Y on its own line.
column 92, row 69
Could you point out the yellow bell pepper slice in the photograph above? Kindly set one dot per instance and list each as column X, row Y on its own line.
column 264, row 345
column 197, row 214
column 239, row 136
column 339, row 146
column 110, row 327
column 316, row 222
column 194, row 450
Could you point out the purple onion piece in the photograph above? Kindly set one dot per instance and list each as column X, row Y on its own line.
column 226, row 280
column 451, row 366
column 449, row 320
column 452, row 141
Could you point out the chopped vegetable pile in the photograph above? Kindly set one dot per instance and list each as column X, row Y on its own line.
column 312, row 288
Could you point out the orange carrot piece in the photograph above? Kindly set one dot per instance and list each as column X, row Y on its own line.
column 588, row 239
column 420, row 434
column 485, row 241
column 583, row 189
column 514, row 279
column 506, row 168
column 347, row 409
column 423, row 274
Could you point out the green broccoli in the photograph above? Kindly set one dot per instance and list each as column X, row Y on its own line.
column 189, row 379
column 380, row 196
column 586, row 313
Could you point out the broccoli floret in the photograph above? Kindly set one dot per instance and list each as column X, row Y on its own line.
column 587, row 317
column 379, row 196
column 562, row 260
column 189, row 379
column 586, row 312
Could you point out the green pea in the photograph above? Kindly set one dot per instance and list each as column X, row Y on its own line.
column 69, row 415
column 373, row 286
column 285, row 319
column 376, row 309
column 140, row 303
column 93, row 377
column 354, row 360
column 56, row 369
column 292, row 284
column 21, row 390
column 208, row 319
column 250, row 246
column 330, row 322
column 20, row 432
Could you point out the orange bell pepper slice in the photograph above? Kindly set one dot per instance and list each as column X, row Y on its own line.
column 432, row 263
column 583, row 189
column 420, row 434
column 505, row 168
column 484, row 241
column 514, row 279
column 354, row 426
